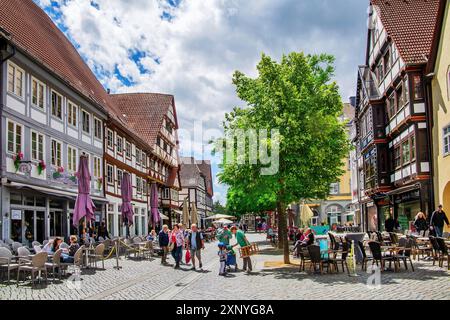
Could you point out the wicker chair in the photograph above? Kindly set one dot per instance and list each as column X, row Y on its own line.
column 335, row 260
column 55, row 263
column 443, row 252
column 316, row 259
column 147, row 250
column 405, row 254
column 366, row 258
column 35, row 243
column 98, row 255
column 375, row 249
column 23, row 253
column 436, row 253
column 37, row 264
column 8, row 261
column 15, row 246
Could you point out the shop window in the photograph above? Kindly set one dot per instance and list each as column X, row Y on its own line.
column 40, row 202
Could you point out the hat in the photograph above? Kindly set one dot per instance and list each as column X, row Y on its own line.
column 221, row 245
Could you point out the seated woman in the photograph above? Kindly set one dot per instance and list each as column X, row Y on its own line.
column 308, row 240
column 68, row 255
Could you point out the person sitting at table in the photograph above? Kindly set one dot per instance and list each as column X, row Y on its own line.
column 151, row 236
column 103, row 231
column 307, row 241
column 48, row 247
column 420, row 223
column 55, row 245
column 68, row 255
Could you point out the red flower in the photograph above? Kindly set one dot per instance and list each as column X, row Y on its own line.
column 60, row 169
column 42, row 164
column 20, row 155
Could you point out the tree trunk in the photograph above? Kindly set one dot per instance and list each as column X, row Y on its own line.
column 282, row 231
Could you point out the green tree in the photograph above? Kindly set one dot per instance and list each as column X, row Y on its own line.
column 297, row 97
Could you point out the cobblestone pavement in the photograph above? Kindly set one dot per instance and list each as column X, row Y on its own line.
column 151, row 280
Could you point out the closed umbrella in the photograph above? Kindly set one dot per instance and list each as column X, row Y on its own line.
column 194, row 218
column 305, row 215
column 155, row 216
column 127, row 209
column 84, row 207
column 185, row 213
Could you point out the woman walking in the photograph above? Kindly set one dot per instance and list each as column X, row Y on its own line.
column 420, row 223
column 177, row 242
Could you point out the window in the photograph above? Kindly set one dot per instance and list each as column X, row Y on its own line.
column 405, row 152
column 397, row 157
column 71, row 159
column 413, row 148
column 166, row 193
column 56, row 153
column 15, row 80
column 387, row 61
column 86, row 120
column 37, row 93
column 391, row 106
column 119, row 144
column 110, row 174
column 15, row 132
column 405, row 90
column 72, row 114
column 56, row 105
column 447, row 140
column 417, row 86
column 128, row 149
column 119, row 177
column 97, row 167
column 334, row 188
column 144, row 159
column 37, row 146
column 110, row 139
column 138, row 185
column 400, row 98
column 97, row 128
column 138, row 156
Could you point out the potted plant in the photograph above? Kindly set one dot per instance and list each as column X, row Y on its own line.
column 58, row 172
column 17, row 158
column 41, row 167
column 99, row 183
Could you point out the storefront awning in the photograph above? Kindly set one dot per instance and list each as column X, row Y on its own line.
column 53, row 192
column 403, row 189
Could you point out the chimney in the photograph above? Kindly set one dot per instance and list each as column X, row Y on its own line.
column 108, row 91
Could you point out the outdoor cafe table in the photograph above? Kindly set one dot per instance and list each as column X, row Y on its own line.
column 353, row 236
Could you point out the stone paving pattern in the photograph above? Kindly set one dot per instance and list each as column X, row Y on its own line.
column 149, row 280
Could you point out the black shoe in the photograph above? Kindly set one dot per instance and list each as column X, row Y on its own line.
column 193, row 268
column 200, row 265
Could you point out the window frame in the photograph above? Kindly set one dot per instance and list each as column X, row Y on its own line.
column 119, row 145
column 85, row 112
column 61, row 153
column 53, row 91
column 119, row 177
column 15, row 124
column 109, row 166
column 71, row 152
column 44, row 91
column 128, row 151
column 37, row 133
column 70, row 107
column 446, row 136
column 15, row 68
column 99, row 162
column 96, row 121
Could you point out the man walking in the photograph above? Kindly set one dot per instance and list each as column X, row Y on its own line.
column 242, row 241
column 437, row 221
column 195, row 244
column 163, row 239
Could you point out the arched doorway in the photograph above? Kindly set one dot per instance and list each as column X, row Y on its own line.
column 446, row 204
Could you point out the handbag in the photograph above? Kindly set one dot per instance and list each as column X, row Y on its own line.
column 188, row 256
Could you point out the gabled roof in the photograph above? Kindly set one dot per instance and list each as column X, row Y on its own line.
column 411, row 24
column 34, row 33
column 144, row 112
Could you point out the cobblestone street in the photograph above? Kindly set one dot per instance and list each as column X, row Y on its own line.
column 151, row 280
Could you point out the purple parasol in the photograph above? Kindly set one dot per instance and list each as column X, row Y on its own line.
column 155, row 217
column 127, row 209
column 84, row 207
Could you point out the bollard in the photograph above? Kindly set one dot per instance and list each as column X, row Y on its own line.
column 117, row 267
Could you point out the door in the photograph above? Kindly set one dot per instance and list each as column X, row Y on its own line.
column 39, row 220
column 30, row 227
column 57, row 224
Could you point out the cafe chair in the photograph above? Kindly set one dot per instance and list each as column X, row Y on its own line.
column 316, row 258
column 98, row 255
column 443, row 253
column 378, row 256
column 7, row 261
column 36, row 265
column 55, row 264
column 405, row 253
column 366, row 258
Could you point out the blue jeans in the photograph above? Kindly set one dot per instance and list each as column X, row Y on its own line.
column 439, row 231
column 66, row 258
column 177, row 253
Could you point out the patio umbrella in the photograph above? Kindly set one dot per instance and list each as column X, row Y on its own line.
column 305, row 215
column 220, row 216
column 185, row 217
column 84, row 207
column 155, row 216
column 223, row 221
column 194, row 218
column 127, row 209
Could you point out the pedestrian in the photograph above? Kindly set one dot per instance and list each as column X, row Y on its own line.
column 242, row 242
column 177, row 243
column 437, row 221
column 184, row 232
column 420, row 222
column 222, row 258
column 163, row 239
column 389, row 224
column 195, row 244
column 103, row 231
column 225, row 236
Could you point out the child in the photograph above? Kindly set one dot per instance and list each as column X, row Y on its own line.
column 223, row 258
column 231, row 258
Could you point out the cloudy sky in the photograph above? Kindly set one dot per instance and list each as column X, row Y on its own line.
column 190, row 48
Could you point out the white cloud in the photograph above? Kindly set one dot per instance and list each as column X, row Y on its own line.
column 205, row 41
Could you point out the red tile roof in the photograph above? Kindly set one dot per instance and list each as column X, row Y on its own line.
column 33, row 32
column 144, row 112
column 411, row 24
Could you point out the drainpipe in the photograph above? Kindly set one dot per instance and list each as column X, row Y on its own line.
column 429, row 96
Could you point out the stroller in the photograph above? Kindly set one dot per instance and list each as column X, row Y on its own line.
column 231, row 259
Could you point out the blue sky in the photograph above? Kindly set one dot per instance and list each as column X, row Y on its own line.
column 191, row 48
